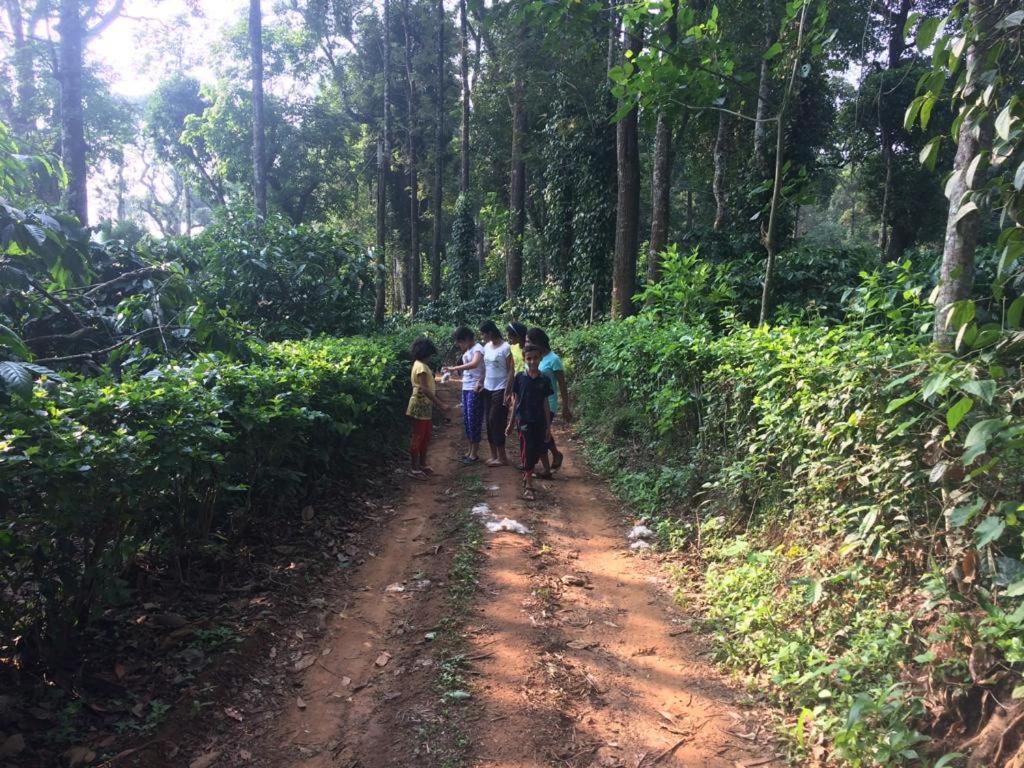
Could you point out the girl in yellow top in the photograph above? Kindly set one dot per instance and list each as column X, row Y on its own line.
column 517, row 340
column 421, row 407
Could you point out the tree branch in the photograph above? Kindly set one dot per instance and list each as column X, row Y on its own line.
column 105, row 350
column 105, row 20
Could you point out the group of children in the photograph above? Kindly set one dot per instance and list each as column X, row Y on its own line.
column 510, row 385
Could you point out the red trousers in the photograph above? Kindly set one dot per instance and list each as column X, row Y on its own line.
column 422, row 429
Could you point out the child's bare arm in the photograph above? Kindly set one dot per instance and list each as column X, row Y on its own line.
column 511, row 415
column 465, row 366
column 547, row 420
column 424, row 385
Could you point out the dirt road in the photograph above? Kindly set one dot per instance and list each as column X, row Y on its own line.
column 565, row 650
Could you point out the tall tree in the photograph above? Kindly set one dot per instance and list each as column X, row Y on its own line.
column 517, row 192
column 437, row 200
column 73, row 147
column 762, row 119
column 770, row 241
column 259, row 162
column 383, row 165
column 896, row 20
column 661, row 181
column 627, row 211
column 413, row 270
column 718, row 179
column 974, row 138
column 464, row 72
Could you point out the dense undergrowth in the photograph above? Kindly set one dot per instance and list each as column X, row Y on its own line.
column 853, row 495
column 171, row 464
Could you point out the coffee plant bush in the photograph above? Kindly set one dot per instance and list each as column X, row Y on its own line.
column 98, row 471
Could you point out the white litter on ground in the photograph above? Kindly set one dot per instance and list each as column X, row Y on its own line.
column 507, row 524
column 482, row 510
column 639, row 546
column 638, row 532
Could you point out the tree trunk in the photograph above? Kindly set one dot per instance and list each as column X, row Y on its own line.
column 956, row 275
column 413, row 270
column 661, row 196
column 780, row 123
column 383, row 163
column 259, row 162
column 661, row 175
column 627, row 212
column 464, row 67
column 72, row 134
column 436, row 244
column 763, row 95
column 718, row 180
column 22, row 117
column 517, row 194
column 121, row 188
column 897, row 21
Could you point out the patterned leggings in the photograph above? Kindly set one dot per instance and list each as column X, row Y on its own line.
column 472, row 414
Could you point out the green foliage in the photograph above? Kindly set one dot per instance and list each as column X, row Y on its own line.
column 97, row 471
column 690, row 288
column 462, row 271
column 285, row 281
column 812, row 465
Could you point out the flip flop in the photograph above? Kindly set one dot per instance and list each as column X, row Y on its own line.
column 417, row 475
column 529, row 494
column 467, row 460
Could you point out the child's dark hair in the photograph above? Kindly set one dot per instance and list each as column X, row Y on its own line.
column 532, row 348
column 538, row 338
column 488, row 327
column 462, row 333
column 518, row 330
column 423, row 349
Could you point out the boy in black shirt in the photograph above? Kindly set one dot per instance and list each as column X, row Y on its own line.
column 532, row 411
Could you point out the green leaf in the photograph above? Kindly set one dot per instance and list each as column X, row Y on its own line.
column 929, row 153
column 899, row 402
column 983, row 388
column 17, row 379
column 1015, row 19
column 966, row 210
column 956, row 414
column 772, row 52
column 1014, row 312
column 1016, row 589
column 12, row 341
column 926, row 33
column 1004, row 122
column 978, row 438
column 1018, row 177
column 913, row 110
column 947, row 759
column 962, row 313
column 962, row 515
column 988, row 531
column 936, row 384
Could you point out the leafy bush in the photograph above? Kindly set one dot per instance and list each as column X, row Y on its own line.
column 96, row 471
column 285, row 281
column 845, row 458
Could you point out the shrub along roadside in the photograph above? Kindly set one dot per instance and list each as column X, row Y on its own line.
column 165, row 463
column 821, row 474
